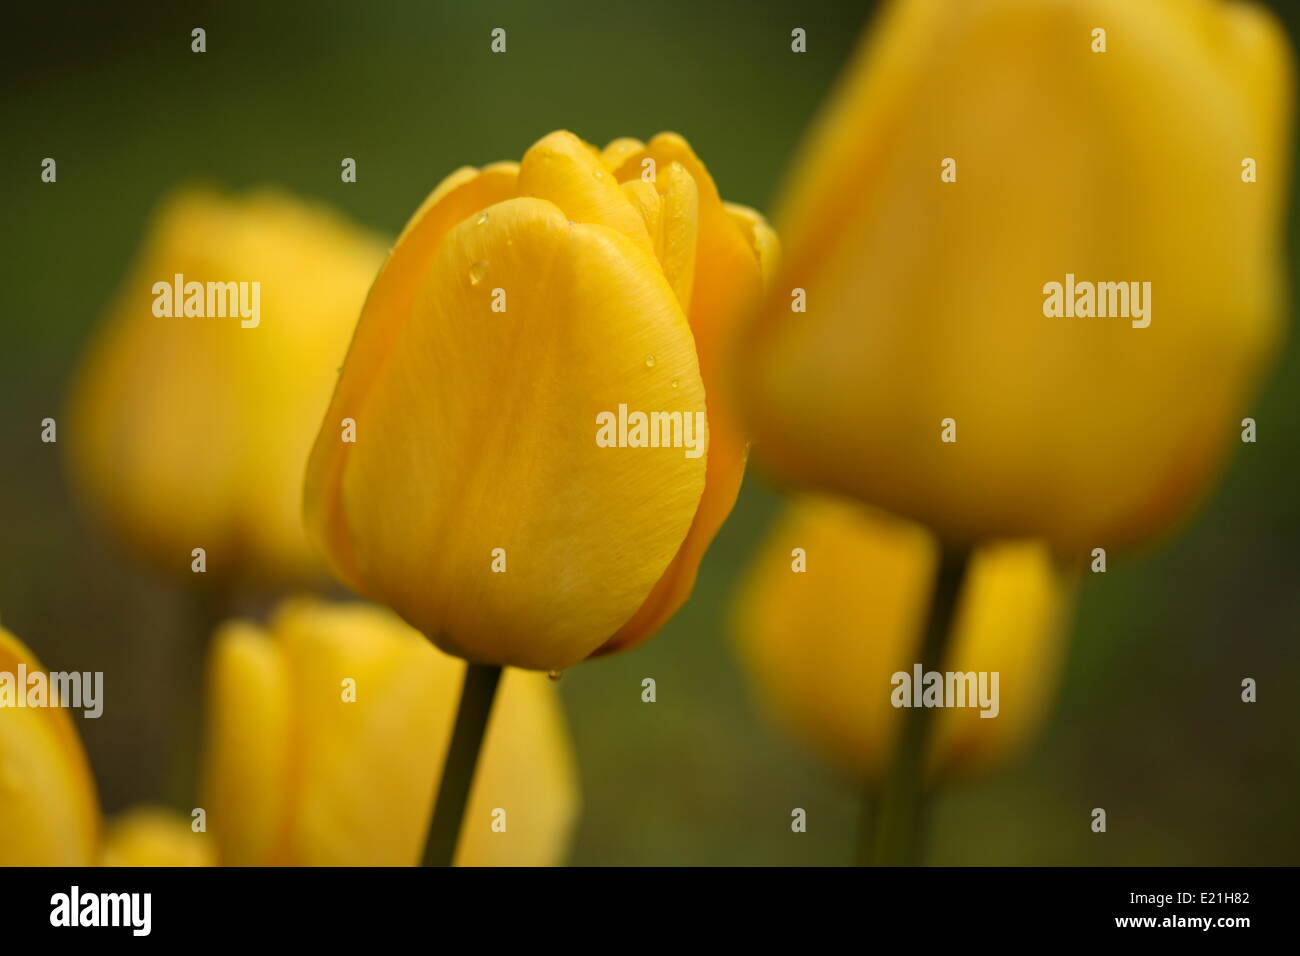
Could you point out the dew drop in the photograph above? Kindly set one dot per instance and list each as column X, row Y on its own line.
column 555, row 675
column 482, row 219
column 649, row 361
column 674, row 383
column 476, row 272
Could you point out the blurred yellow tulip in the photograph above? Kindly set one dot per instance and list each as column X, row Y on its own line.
column 155, row 836
column 326, row 732
column 528, row 313
column 192, row 431
column 975, row 153
column 49, row 810
column 822, row 644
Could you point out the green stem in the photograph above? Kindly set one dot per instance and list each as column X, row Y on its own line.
column 897, row 832
column 462, row 757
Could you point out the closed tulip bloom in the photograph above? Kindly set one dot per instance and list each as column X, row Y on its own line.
column 156, row 836
column 975, row 154
column 499, row 494
column 49, row 811
column 822, row 645
column 326, row 732
column 192, row 430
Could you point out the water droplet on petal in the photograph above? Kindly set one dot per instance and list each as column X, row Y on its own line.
column 482, row 219
column 476, row 272
column 554, row 675
column 597, row 174
column 649, row 361
column 674, row 383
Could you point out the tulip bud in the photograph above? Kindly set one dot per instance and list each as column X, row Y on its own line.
column 500, row 494
column 325, row 735
column 155, row 836
column 975, row 157
column 832, row 612
column 196, row 405
column 49, row 811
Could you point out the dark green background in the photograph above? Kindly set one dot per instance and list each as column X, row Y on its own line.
column 1148, row 723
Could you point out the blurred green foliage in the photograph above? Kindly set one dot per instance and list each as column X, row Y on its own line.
column 1148, row 724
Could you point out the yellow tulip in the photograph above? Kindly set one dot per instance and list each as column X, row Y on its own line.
column 192, row 431
column 154, row 836
column 326, row 732
column 822, row 644
column 975, row 153
column 49, row 811
column 523, row 307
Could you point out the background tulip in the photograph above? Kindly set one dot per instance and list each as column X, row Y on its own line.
column 49, row 812
column 298, row 775
column 521, row 302
column 925, row 297
column 193, row 432
column 156, row 836
column 821, row 645
column 49, row 809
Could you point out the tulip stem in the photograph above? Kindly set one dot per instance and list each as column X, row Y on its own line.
column 462, row 758
column 893, row 832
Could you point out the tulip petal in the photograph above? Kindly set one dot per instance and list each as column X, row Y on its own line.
column 669, row 207
column 49, row 811
column 374, row 704
column 462, row 194
column 726, row 267
column 677, row 237
column 247, row 770
column 645, row 200
column 560, row 168
column 727, row 280
column 1013, row 622
column 762, row 238
column 618, row 150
